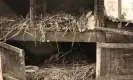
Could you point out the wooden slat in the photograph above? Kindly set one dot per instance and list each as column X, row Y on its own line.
column 98, row 62
column 18, row 54
column 99, row 17
column 12, row 48
column 117, row 38
column 115, row 45
column 32, row 13
column 81, row 37
column 118, row 77
column 55, row 36
column 1, row 76
column 100, row 36
column 119, row 13
column 123, row 32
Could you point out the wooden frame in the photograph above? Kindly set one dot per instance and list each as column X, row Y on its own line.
column 1, row 76
column 100, row 59
column 17, row 52
column 15, row 49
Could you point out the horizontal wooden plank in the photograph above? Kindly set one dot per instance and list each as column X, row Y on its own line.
column 70, row 37
column 118, row 31
column 117, row 77
column 88, row 36
column 52, row 36
column 12, row 48
column 118, row 38
column 115, row 45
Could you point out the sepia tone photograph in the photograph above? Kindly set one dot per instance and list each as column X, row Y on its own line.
column 66, row 39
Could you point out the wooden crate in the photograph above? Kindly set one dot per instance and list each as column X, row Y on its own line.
column 12, row 65
column 114, row 61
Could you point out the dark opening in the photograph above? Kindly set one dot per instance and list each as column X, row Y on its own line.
column 57, row 61
column 37, row 54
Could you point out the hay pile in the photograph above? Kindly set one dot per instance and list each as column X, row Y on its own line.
column 12, row 22
column 73, row 72
column 68, row 66
column 57, row 22
column 60, row 22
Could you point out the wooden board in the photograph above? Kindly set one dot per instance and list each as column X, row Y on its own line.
column 99, row 34
column 53, row 36
column 1, row 76
column 12, row 61
column 114, row 61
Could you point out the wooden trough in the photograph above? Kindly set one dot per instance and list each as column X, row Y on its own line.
column 114, row 61
column 12, row 65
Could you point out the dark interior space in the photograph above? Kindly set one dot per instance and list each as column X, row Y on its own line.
column 39, row 53
column 21, row 7
column 68, row 6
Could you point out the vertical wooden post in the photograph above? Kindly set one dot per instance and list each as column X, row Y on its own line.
column 100, row 36
column 98, row 62
column 119, row 8
column 32, row 13
column 119, row 13
column 99, row 14
column 1, row 77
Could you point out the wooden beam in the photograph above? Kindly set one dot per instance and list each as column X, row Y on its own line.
column 68, row 36
column 32, row 13
column 115, row 45
column 98, row 62
column 99, row 17
column 18, row 55
column 1, row 75
column 54, row 36
column 118, row 31
column 119, row 13
column 12, row 48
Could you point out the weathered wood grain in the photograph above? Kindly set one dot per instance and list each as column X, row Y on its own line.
column 115, row 45
column 32, row 13
column 12, row 48
column 54, row 36
column 1, row 76
column 114, row 61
